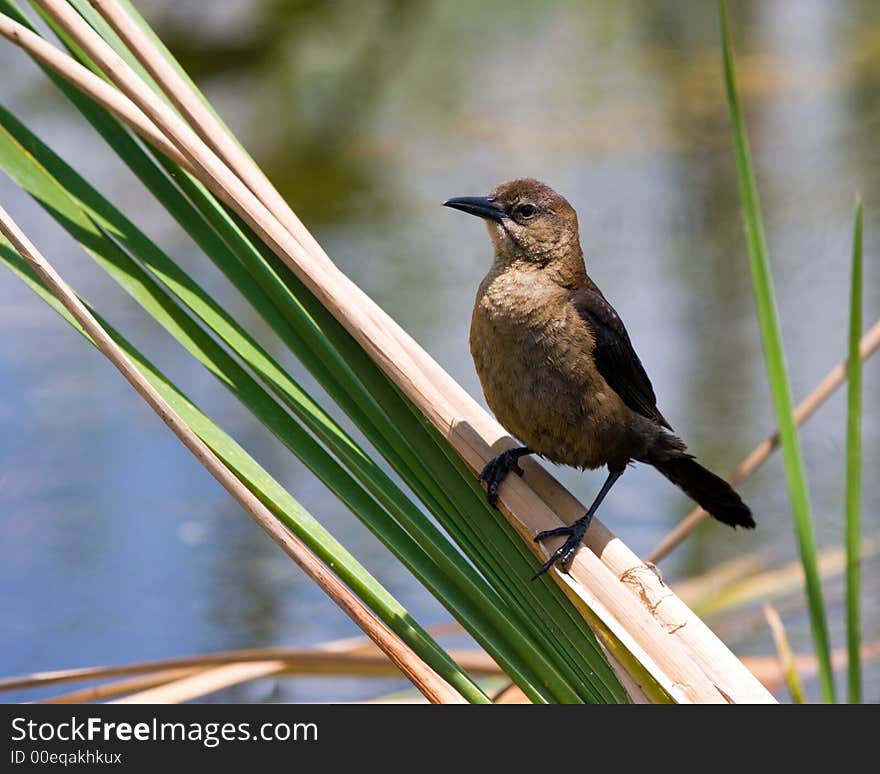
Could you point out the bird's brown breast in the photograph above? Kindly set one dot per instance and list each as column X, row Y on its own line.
column 532, row 353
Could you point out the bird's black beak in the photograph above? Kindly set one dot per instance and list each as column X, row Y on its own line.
column 481, row 206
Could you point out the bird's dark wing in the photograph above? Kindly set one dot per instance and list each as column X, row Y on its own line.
column 614, row 355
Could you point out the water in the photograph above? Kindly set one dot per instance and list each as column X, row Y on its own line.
column 117, row 547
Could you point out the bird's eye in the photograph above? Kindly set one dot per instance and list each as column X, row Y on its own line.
column 527, row 210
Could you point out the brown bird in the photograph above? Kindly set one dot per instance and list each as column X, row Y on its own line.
column 558, row 367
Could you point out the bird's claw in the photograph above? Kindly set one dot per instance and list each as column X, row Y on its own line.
column 496, row 470
column 565, row 553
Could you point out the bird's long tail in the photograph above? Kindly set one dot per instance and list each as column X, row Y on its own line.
column 710, row 492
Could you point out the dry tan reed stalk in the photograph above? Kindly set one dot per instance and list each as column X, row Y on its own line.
column 103, row 92
column 332, row 659
column 739, row 582
column 703, row 670
column 211, row 680
column 119, row 687
column 203, row 683
column 825, row 389
column 510, row 694
column 766, row 668
column 425, row 679
column 200, row 118
column 770, row 672
column 784, row 653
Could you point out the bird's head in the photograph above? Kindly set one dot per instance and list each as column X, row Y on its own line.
column 527, row 220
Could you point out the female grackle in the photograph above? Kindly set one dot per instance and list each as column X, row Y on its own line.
column 557, row 366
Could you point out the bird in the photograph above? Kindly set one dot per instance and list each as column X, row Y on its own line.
column 558, row 368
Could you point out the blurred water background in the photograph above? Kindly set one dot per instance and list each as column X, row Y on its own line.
column 118, row 547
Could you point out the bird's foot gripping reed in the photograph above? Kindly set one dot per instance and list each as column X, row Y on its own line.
column 498, row 468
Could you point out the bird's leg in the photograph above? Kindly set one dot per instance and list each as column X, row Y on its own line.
column 498, row 467
column 576, row 531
